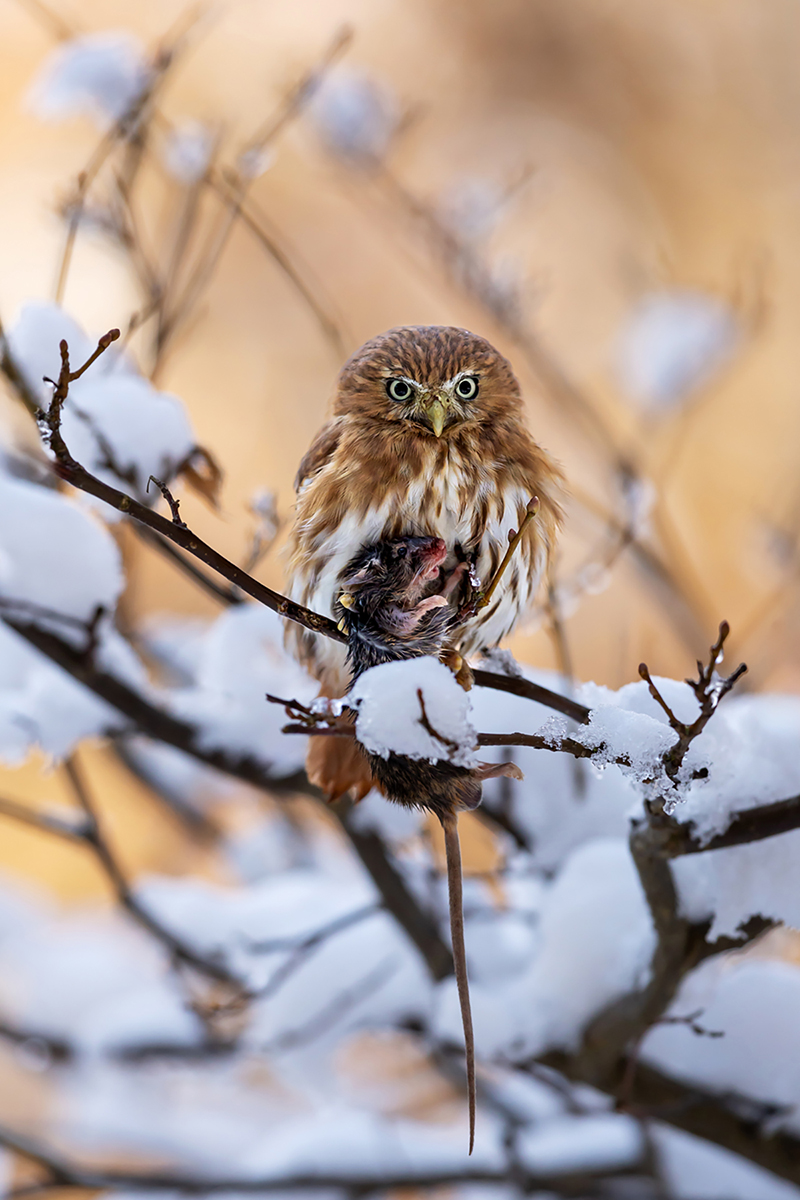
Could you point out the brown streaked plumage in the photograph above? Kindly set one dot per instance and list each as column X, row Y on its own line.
column 431, row 459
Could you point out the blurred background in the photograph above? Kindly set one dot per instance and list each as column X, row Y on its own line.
column 609, row 191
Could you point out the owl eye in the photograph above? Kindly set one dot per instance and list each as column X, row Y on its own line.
column 398, row 389
column 467, row 388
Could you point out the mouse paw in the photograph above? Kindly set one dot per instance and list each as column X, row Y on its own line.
column 497, row 770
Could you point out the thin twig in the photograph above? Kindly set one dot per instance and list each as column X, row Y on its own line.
column 709, row 689
column 338, row 1006
column 174, row 505
column 302, row 950
column 233, row 188
column 429, row 729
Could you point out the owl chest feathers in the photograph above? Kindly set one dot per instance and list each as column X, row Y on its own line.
column 454, row 498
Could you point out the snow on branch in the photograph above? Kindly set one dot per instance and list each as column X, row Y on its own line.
column 72, row 472
column 709, row 689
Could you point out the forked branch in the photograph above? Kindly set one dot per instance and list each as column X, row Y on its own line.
column 174, row 530
column 709, row 689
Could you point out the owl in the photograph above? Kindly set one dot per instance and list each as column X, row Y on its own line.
column 427, row 439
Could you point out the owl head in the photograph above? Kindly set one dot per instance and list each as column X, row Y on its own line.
column 431, row 379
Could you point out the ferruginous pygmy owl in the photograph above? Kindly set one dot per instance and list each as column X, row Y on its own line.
column 427, row 439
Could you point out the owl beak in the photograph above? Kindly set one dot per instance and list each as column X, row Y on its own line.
column 436, row 412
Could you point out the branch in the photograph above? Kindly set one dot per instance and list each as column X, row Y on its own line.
column 709, row 690
column 532, row 691
column 89, row 834
column 727, row 1119
column 301, row 950
column 672, row 839
column 312, row 940
column 536, row 741
column 68, row 1174
column 144, row 717
column 73, row 473
column 341, row 1003
column 154, row 722
column 607, row 1057
column 417, row 923
column 180, row 807
column 750, row 825
column 46, row 1046
column 312, row 723
column 177, row 947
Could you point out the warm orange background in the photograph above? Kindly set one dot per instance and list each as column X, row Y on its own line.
column 659, row 146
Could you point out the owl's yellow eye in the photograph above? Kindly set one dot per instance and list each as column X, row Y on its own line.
column 398, row 389
column 467, row 388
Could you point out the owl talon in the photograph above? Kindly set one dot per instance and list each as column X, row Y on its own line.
column 459, row 666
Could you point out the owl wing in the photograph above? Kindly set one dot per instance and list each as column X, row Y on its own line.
column 319, row 453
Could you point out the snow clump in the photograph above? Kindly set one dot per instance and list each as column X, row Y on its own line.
column 355, row 117
column 390, row 715
column 97, row 75
column 115, row 423
column 672, row 343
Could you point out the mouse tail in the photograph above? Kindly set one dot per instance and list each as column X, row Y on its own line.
column 455, row 893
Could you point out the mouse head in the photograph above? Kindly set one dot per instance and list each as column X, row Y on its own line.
column 389, row 599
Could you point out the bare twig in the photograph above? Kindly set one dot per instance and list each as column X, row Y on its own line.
column 303, row 948
column 429, row 729
column 312, row 940
column 122, row 129
column 174, row 505
column 709, row 689
column 515, row 536
column 298, row 712
column 338, row 1006
column 532, row 691
column 232, row 188
column 256, row 223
